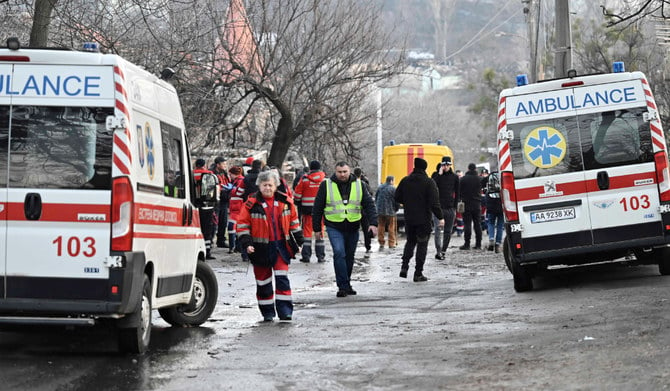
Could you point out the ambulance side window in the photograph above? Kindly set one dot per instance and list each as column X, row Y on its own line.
column 615, row 138
column 173, row 164
column 546, row 147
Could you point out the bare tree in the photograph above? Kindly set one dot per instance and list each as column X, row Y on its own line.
column 630, row 11
column 316, row 62
column 41, row 21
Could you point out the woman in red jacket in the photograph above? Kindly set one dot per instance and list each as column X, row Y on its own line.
column 266, row 222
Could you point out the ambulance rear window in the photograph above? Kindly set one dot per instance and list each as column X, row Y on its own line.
column 55, row 147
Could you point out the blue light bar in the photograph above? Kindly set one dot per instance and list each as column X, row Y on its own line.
column 618, row 67
column 392, row 142
column 91, row 47
column 521, row 80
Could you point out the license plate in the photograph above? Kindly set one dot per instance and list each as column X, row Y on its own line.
column 552, row 215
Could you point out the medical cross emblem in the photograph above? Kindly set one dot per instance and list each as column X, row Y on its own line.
column 545, row 147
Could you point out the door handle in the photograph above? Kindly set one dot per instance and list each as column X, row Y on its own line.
column 184, row 213
column 190, row 214
column 603, row 180
column 32, row 206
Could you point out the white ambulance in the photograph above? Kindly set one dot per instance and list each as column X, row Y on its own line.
column 98, row 222
column 584, row 169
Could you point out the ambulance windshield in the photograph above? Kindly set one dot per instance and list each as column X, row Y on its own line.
column 55, row 147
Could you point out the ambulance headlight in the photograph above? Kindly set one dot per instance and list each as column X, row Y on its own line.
column 13, row 43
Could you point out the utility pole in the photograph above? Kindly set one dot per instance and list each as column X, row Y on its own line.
column 532, row 11
column 563, row 51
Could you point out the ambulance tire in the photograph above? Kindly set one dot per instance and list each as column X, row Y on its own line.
column 663, row 259
column 203, row 300
column 507, row 254
column 135, row 339
column 523, row 279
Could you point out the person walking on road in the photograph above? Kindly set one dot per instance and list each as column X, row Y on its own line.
column 419, row 196
column 305, row 193
column 448, row 188
column 220, row 169
column 494, row 212
column 206, row 212
column 341, row 201
column 471, row 195
column 387, row 207
column 267, row 220
column 367, row 237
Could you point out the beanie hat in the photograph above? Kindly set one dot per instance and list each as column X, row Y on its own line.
column 235, row 170
column 249, row 160
column 314, row 165
column 219, row 159
column 200, row 163
column 446, row 160
column 420, row 163
column 256, row 164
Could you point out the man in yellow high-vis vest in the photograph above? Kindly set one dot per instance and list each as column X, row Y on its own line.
column 342, row 201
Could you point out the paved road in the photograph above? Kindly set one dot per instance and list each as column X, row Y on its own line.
column 466, row 329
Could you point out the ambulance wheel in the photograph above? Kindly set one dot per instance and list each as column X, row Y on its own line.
column 663, row 258
column 203, row 300
column 507, row 254
column 523, row 280
column 135, row 333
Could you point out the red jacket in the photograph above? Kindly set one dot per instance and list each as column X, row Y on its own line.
column 255, row 229
column 305, row 192
column 236, row 200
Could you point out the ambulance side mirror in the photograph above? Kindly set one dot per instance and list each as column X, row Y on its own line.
column 206, row 190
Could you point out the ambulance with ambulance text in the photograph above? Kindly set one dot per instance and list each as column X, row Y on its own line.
column 584, row 170
column 98, row 217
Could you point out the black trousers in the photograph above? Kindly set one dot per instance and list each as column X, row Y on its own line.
column 417, row 236
column 473, row 217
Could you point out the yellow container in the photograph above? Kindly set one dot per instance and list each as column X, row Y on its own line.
column 398, row 160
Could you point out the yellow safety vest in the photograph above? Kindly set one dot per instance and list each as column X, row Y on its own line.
column 337, row 210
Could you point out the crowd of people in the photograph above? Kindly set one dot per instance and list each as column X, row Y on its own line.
column 269, row 221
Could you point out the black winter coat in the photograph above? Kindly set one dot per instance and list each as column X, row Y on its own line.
column 367, row 205
column 419, row 196
column 448, row 188
column 471, row 190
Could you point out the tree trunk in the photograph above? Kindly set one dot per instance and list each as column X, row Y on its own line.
column 281, row 142
column 39, row 34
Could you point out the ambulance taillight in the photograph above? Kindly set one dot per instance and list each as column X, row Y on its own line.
column 508, row 194
column 122, row 214
column 661, row 160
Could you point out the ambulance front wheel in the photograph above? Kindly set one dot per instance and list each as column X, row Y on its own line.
column 523, row 279
column 203, row 300
column 135, row 329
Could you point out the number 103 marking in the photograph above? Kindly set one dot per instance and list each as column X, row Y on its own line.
column 75, row 246
column 635, row 202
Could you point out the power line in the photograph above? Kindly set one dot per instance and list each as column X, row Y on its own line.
column 475, row 38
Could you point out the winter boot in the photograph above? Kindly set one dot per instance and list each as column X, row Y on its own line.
column 491, row 245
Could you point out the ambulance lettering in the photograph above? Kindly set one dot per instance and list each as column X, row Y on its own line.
column 565, row 102
column 46, row 85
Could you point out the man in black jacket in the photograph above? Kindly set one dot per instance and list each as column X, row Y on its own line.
column 471, row 195
column 419, row 196
column 342, row 202
column 448, row 187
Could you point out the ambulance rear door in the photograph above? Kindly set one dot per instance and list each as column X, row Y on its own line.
column 548, row 171
column 619, row 162
column 58, row 189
